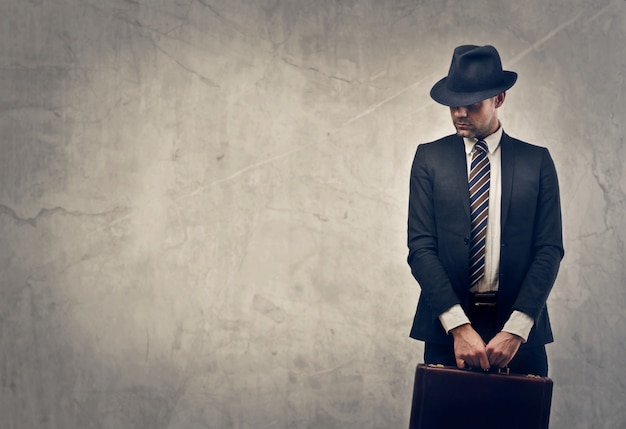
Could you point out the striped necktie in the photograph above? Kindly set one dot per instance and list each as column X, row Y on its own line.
column 479, row 208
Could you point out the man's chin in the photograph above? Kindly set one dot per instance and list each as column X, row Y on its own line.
column 465, row 133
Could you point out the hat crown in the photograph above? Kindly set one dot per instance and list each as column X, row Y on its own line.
column 475, row 74
column 475, row 68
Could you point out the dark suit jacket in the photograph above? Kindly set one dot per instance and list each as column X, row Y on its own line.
column 439, row 230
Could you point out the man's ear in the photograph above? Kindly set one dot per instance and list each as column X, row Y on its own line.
column 499, row 99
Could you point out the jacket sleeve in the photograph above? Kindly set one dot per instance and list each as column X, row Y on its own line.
column 423, row 240
column 547, row 243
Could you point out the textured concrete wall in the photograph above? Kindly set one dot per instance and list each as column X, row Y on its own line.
column 203, row 204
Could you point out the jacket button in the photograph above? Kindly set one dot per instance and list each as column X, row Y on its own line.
column 465, row 240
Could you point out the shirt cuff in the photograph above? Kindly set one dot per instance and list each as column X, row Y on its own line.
column 453, row 318
column 519, row 324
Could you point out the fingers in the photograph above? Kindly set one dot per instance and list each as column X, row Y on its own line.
column 498, row 359
column 502, row 348
column 469, row 348
column 471, row 351
column 460, row 363
column 484, row 362
column 477, row 359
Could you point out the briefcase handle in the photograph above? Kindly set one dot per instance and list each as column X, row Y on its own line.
column 501, row 371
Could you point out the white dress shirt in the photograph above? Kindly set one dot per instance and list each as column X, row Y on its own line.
column 519, row 323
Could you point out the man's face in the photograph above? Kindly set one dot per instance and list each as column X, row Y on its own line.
column 479, row 119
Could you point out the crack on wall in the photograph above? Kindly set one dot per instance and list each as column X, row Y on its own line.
column 199, row 75
column 49, row 212
column 316, row 70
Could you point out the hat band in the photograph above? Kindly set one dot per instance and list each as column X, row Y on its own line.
column 464, row 86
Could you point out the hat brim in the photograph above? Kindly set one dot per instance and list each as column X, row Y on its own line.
column 442, row 95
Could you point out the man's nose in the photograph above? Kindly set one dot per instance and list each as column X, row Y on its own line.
column 459, row 112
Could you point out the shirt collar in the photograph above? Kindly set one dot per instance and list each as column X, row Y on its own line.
column 492, row 140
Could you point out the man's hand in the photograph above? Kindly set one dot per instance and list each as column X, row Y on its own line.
column 502, row 348
column 469, row 348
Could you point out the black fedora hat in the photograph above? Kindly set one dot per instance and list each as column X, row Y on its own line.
column 475, row 75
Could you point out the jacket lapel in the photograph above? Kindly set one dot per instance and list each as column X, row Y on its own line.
column 459, row 169
column 508, row 165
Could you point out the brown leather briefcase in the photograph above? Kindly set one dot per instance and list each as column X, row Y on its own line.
column 447, row 397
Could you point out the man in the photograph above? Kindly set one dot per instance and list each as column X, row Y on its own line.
column 485, row 267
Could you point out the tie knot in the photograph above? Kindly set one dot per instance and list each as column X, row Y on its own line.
column 481, row 145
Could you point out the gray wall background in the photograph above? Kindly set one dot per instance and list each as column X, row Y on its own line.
column 203, row 204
